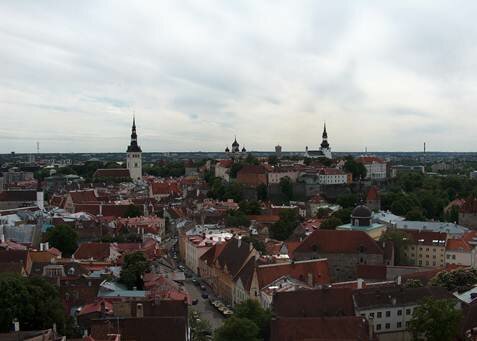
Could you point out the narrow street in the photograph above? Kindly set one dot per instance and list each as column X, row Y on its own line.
column 207, row 311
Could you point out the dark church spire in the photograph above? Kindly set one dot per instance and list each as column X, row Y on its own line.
column 134, row 147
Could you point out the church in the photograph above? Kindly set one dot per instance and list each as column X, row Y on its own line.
column 134, row 156
column 323, row 152
column 235, row 152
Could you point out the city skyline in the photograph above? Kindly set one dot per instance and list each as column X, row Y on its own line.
column 384, row 76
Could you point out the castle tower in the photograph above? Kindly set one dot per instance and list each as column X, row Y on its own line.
column 134, row 156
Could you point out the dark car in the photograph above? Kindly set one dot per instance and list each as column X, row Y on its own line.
column 205, row 295
column 195, row 282
column 195, row 301
column 202, row 287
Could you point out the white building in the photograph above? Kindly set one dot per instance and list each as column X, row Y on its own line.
column 134, row 156
column 375, row 167
column 332, row 176
column 389, row 309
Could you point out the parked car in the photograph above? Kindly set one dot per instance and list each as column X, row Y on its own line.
column 195, row 301
column 195, row 282
column 205, row 295
column 202, row 287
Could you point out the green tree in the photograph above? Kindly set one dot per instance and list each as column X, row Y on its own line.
column 237, row 329
column 34, row 302
column 358, row 170
column 235, row 218
column 286, row 187
column 257, row 244
column 435, row 320
column 415, row 215
column 132, row 211
column 252, row 310
column 455, row 279
column 262, row 192
column 344, row 215
column 283, row 228
column 250, row 207
column 331, row 223
column 132, row 272
column 347, row 200
column 64, row 238
column 400, row 241
column 273, row 160
column 236, row 167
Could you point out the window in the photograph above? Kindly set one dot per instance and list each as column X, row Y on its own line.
column 434, row 250
column 448, row 256
column 380, row 314
column 388, row 325
column 407, row 324
column 388, row 313
column 399, row 312
column 408, row 311
column 427, row 249
column 371, row 315
column 399, row 325
column 378, row 326
column 427, row 262
column 453, row 256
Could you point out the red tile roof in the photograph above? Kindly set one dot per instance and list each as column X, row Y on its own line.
column 458, row 245
column 314, row 303
column 317, row 268
column 18, row 196
column 252, row 169
column 335, row 241
column 225, row 163
column 163, row 188
column 374, row 272
column 87, row 196
column 95, row 251
column 369, row 159
column 430, row 238
column 349, row 328
column 373, row 194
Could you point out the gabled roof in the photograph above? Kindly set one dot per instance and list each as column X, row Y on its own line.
column 317, row 268
column 246, row 273
column 458, row 245
column 314, row 303
column 225, row 163
column 87, row 196
column 252, row 169
column 233, row 256
column 335, row 241
column 373, row 194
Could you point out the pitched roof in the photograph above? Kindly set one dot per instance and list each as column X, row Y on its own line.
column 233, row 256
column 335, row 241
column 246, row 273
column 317, row 268
column 252, row 169
column 427, row 237
column 348, row 328
column 314, row 303
column 390, row 296
column 41, row 256
column 86, row 196
column 95, row 251
column 18, row 196
column 369, row 159
column 171, row 188
column 225, row 163
column 458, row 245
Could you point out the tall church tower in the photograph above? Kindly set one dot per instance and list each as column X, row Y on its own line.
column 134, row 157
column 325, row 146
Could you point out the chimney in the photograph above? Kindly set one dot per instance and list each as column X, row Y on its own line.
column 139, row 310
column 310, row 279
column 399, row 280
column 360, row 283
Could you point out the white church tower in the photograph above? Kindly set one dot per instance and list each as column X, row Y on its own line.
column 134, row 157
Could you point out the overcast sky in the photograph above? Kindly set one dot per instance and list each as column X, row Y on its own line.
column 388, row 75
